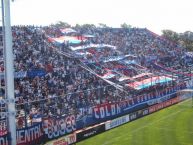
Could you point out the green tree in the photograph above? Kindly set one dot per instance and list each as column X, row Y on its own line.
column 101, row 25
column 125, row 25
column 185, row 39
column 61, row 24
column 77, row 26
column 171, row 35
column 88, row 26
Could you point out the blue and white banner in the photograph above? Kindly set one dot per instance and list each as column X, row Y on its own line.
column 116, row 122
column 67, row 30
column 36, row 72
column 20, row 74
column 113, row 58
column 92, row 46
column 115, row 109
column 32, row 135
column 55, row 127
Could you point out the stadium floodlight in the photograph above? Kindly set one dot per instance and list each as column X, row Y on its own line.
column 9, row 71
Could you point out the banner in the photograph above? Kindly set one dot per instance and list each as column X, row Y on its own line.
column 55, row 127
column 138, row 114
column 30, row 136
column 34, row 73
column 67, row 30
column 108, row 75
column 162, row 99
column 92, row 46
column 113, row 58
column 26, row 136
column 66, row 140
column 159, row 66
column 109, row 110
column 20, row 74
column 58, row 127
column 84, row 134
column 4, row 140
column 116, row 122
column 106, row 110
column 138, row 85
column 165, row 104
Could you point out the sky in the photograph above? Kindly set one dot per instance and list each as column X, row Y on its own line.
column 156, row 15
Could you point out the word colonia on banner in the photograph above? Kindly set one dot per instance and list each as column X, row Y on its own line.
column 106, row 110
column 56, row 127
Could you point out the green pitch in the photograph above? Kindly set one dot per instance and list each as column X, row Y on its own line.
column 170, row 126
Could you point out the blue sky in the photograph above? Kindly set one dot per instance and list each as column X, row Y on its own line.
column 155, row 15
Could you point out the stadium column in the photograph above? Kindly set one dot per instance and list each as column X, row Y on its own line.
column 9, row 72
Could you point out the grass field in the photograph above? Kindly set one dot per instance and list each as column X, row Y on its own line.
column 170, row 126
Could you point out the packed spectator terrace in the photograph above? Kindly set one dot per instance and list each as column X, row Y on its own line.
column 61, row 72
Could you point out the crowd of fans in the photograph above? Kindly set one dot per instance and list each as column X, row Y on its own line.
column 69, row 84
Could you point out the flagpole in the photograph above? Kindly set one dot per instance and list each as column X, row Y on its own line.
column 9, row 72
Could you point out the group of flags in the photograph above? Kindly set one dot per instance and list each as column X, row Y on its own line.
column 149, row 82
column 108, row 75
column 67, row 38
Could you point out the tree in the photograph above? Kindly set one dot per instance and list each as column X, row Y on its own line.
column 125, row 25
column 61, row 24
column 101, row 25
column 171, row 35
column 185, row 39
column 188, row 35
column 77, row 26
column 88, row 26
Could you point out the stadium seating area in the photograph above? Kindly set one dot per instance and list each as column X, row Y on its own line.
column 58, row 78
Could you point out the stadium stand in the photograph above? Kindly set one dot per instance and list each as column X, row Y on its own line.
column 70, row 73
